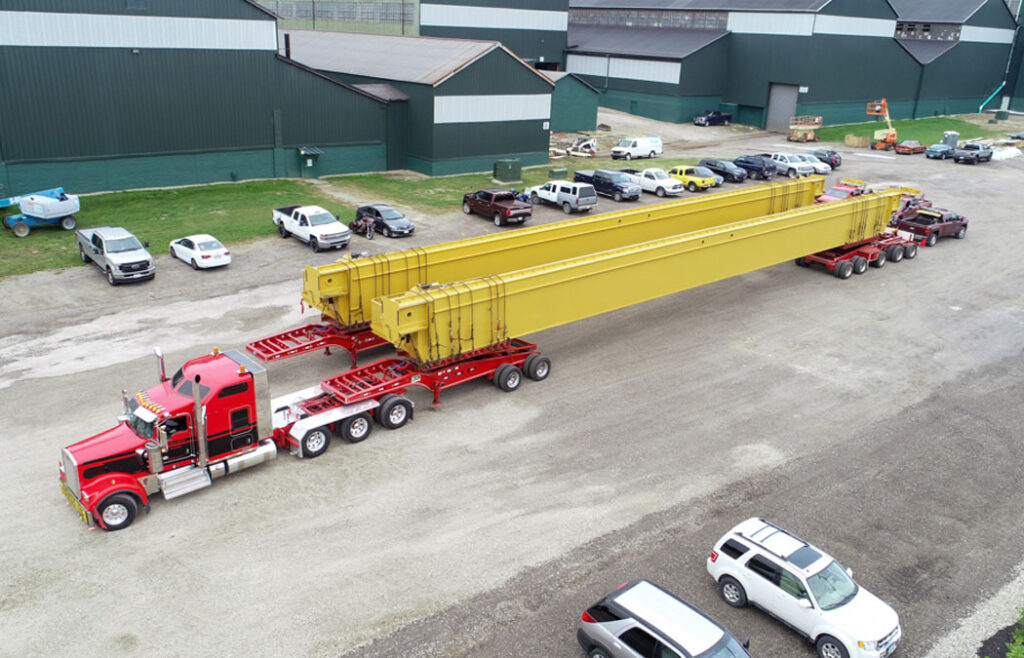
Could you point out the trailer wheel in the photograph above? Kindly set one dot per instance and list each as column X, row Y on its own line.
column 68, row 223
column 844, row 269
column 21, row 229
column 802, row 262
column 860, row 265
column 932, row 239
column 880, row 261
column 508, row 377
column 895, row 253
column 117, row 511
column 537, row 367
column 315, row 442
column 356, row 428
column 910, row 251
column 394, row 412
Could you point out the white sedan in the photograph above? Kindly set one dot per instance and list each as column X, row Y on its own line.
column 201, row 251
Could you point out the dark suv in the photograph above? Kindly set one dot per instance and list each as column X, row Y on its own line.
column 730, row 171
column 829, row 157
column 757, row 166
column 642, row 619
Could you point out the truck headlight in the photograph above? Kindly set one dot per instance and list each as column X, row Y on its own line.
column 870, row 645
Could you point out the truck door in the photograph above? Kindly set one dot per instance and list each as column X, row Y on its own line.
column 181, row 444
column 302, row 227
column 232, row 426
column 97, row 244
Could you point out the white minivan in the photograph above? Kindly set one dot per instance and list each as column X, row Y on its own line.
column 637, row 147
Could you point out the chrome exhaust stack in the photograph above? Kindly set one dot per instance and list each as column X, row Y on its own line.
column 200, row 421
column 161, row 371
column 265, row 451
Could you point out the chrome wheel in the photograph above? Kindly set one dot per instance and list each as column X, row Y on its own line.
column 115, row 514
column 314, row 442
column 359, row 428
column 397, row 415
column 731, row 593
column 830, row 649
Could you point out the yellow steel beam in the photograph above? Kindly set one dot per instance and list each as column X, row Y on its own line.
column 433, row 323
column 345, row 289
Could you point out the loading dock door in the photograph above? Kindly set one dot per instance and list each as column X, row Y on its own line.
column 781, row 106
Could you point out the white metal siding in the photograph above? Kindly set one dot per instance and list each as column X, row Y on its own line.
column 485, row 109
column 26, row 28
column 986, row 34
column 630, row 69
column 749, row 22
column 855, row 27
column 493, row 17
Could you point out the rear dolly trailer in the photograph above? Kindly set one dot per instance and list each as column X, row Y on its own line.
column 855, row 257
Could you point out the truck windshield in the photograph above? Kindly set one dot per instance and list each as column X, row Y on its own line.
column 143, row 428
column 839, row 192
column 119, row 245
column 625, row 142
column 321, row 218
column 832, row 586
column 659, row 174
column 621, row 179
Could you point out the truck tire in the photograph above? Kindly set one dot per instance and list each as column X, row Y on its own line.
column 932, row 239
column 534, row 199
column 860, row 265
column 660, row 192
column 110, row 277
column 792, row 173
column 895, row 253
column 314, row 245
column 508, row 377
column 628, row 155
column 81, row 254
column 651, row 155
column 315, row 442
column 117, row 511
column 961, row 234
column 691, row 186
column 910, row 251
column 537, row 367
column 725, row 122
column 802, row 262
column 844, row 269
column 281, row 230
column 497, row 219
column 732, row 592
column 567, row 208
column 466, row 209
column 880, row 261
column 69, row 223
column 356, row 428
column 20, row 229
column 394, row 412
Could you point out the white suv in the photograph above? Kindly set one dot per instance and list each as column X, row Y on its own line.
column 759, row 563
column 790, row 164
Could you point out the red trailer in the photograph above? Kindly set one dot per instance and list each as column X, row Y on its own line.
column 854, row 257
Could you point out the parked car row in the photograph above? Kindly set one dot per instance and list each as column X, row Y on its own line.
column 759, row 564
column 970, row 152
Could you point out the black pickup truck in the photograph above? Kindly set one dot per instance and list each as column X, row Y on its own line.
column 615, row 184
column 757, row 166
column 712, row 118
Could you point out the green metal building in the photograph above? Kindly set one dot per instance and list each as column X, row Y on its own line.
column 573, row 103
column 768, row 60
column 466, row 103
column 118, row 94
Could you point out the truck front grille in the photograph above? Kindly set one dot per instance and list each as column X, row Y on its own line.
column 331, row 237
column 136, row 266
column 70, row 472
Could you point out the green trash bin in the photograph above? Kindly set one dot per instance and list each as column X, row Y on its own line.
column 508, row 171
column 560, row 173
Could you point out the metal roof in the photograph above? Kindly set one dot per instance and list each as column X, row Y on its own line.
column 555, row 76
column 936, row 11
column 423, row 60
column 925, row 51
column 384, row 91
column 703, row 5
column 639, row 42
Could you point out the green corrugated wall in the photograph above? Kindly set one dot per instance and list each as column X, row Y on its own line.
column 573, row 106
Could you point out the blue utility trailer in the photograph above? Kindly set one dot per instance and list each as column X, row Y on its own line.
column 46, row 208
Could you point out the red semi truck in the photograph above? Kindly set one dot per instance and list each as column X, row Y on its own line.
column 215, row 417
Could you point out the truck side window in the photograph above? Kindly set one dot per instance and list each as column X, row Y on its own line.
column 640, row 641
column 233, row 390
column 302, row 220
column 764, row 568
column 239, row 418
column 790, row 585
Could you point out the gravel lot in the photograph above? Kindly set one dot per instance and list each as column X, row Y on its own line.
column 878, row 417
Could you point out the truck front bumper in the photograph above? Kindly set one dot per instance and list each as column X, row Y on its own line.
column 141, row 275
column 84, row 514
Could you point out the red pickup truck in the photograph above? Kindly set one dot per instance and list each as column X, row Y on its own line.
column 930, row 224
column 501, row 205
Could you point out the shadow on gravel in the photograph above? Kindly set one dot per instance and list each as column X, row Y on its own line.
column 995, row 646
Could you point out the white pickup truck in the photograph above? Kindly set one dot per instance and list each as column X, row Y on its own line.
column 313, row 225
column 117, row 252
column 655, row 181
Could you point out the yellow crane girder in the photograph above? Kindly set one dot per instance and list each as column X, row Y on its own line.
column 344, row 290
column 433, row 323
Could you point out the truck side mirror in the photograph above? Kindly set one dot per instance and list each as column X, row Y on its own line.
column 161, row 434
column 146, row 244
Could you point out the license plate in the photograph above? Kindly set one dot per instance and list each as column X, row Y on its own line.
column 74, row 502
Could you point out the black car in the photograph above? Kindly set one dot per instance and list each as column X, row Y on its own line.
column 730, row 171
column 757, row 166
column 829, row 157
column 386, row 220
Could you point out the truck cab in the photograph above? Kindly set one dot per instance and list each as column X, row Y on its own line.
column 313, row 225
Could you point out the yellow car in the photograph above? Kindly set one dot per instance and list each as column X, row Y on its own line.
column 689, row 177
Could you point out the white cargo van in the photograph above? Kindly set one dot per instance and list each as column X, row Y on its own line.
column 637, row 147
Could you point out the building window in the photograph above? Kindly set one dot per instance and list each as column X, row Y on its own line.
column 928, row 31
column 694, row 20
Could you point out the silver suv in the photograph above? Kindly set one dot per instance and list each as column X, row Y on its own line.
column 641, row 620
column 760, row 563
